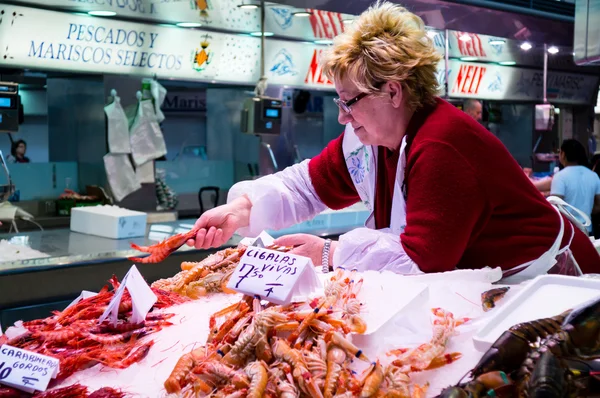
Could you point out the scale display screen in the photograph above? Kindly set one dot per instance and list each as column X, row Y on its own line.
column 5, row 102
column 272, row 113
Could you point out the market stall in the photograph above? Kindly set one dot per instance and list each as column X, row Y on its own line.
column 351, row 334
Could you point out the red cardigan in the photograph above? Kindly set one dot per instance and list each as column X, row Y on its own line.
column 469, row 204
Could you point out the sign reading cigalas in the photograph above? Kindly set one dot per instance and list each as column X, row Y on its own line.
column 274, row 276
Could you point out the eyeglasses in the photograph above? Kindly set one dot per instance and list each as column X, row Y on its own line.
column 346, row 106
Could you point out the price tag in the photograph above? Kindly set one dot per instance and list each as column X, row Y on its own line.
column 274, row 276
column 26, row 370
column 142, row 298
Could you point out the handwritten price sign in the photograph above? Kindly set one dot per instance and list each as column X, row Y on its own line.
column 26, row 370
column 274, row 276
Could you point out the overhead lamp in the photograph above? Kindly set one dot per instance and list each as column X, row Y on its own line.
column 249, row 6
column 259, row 34
column 497, row 42
column 347, row 21
column 465, row 37
column 323, row 41
column 507, row 63
column 431, row 33
column 526, row 46
column 468, row 59
column 302, row 13
column 189, row 24
column 553, row 50
column 102, row 13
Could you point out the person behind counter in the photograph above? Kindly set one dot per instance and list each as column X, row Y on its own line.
column 473, row 108
column 576, row 184
column 17, row 152
column 444, row 192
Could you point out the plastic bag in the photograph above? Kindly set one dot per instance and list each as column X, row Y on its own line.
column 147, row 141
column 159, row 93
column 121, row 176
column 118, row 127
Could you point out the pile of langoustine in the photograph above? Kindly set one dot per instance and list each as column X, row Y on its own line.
column 211, row 275
column 286, row 351
column 75, row 337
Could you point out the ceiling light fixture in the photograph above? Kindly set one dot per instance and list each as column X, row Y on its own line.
column 526, row 46
column 553, row 50
column 323, row 41
column 347, row 21
column 507, row 63
column 468, row 59
column 259, row 34
column 189, row 24
column 497, row 42
column 102, row 13
column 302, row 14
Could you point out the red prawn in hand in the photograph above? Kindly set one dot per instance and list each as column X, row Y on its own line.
column 162, row 250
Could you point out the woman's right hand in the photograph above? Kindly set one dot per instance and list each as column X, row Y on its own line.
column 216, row 226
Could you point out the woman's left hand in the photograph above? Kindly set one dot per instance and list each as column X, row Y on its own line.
column 306, row 245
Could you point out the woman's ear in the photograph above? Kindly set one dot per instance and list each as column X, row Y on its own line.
column 396, row 93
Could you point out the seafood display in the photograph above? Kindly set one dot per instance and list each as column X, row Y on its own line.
column 75, row 337
column 489, row 298
column 211, row 275
column 550, row 357
column 302, row 350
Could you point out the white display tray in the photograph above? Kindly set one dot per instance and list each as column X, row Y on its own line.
column 545, row 296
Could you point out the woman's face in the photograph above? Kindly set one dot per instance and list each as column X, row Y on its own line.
column 21, row 148
column 375, row 116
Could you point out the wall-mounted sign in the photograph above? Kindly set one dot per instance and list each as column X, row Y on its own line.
column 95, row 45
column 222, row 14
column 495, row 82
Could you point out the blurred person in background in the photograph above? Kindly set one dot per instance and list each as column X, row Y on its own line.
column 576, row 184
column 17, row 152
column 473, row 108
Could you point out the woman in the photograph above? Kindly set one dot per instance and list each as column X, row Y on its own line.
column 17, row 152
column 445, row 193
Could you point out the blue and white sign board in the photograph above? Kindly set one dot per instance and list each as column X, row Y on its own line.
column 274, row 276
column 26, row 370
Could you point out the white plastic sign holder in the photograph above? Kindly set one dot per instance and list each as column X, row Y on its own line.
column 274, row 276
column 142, row 298
column 26, row 370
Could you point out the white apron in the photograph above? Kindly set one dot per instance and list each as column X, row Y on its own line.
column 361, row 162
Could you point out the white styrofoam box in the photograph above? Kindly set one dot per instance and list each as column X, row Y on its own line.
column 542, row 297
column 108, row 221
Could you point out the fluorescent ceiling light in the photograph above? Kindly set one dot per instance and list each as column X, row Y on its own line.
column 553, row 50
column 323, row 41
column 347, row 21
column 496, row 42
column 507, row 63
column 189, row 24
column 102, row 13
column 302, row 14
column 468, row 59
column 259, row 34
column 465, row 37
column 526, row 46
column 249, row 6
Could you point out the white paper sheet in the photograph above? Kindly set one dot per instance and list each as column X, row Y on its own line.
column 121, row 176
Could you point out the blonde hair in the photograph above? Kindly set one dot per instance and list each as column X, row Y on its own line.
column 386, row 43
